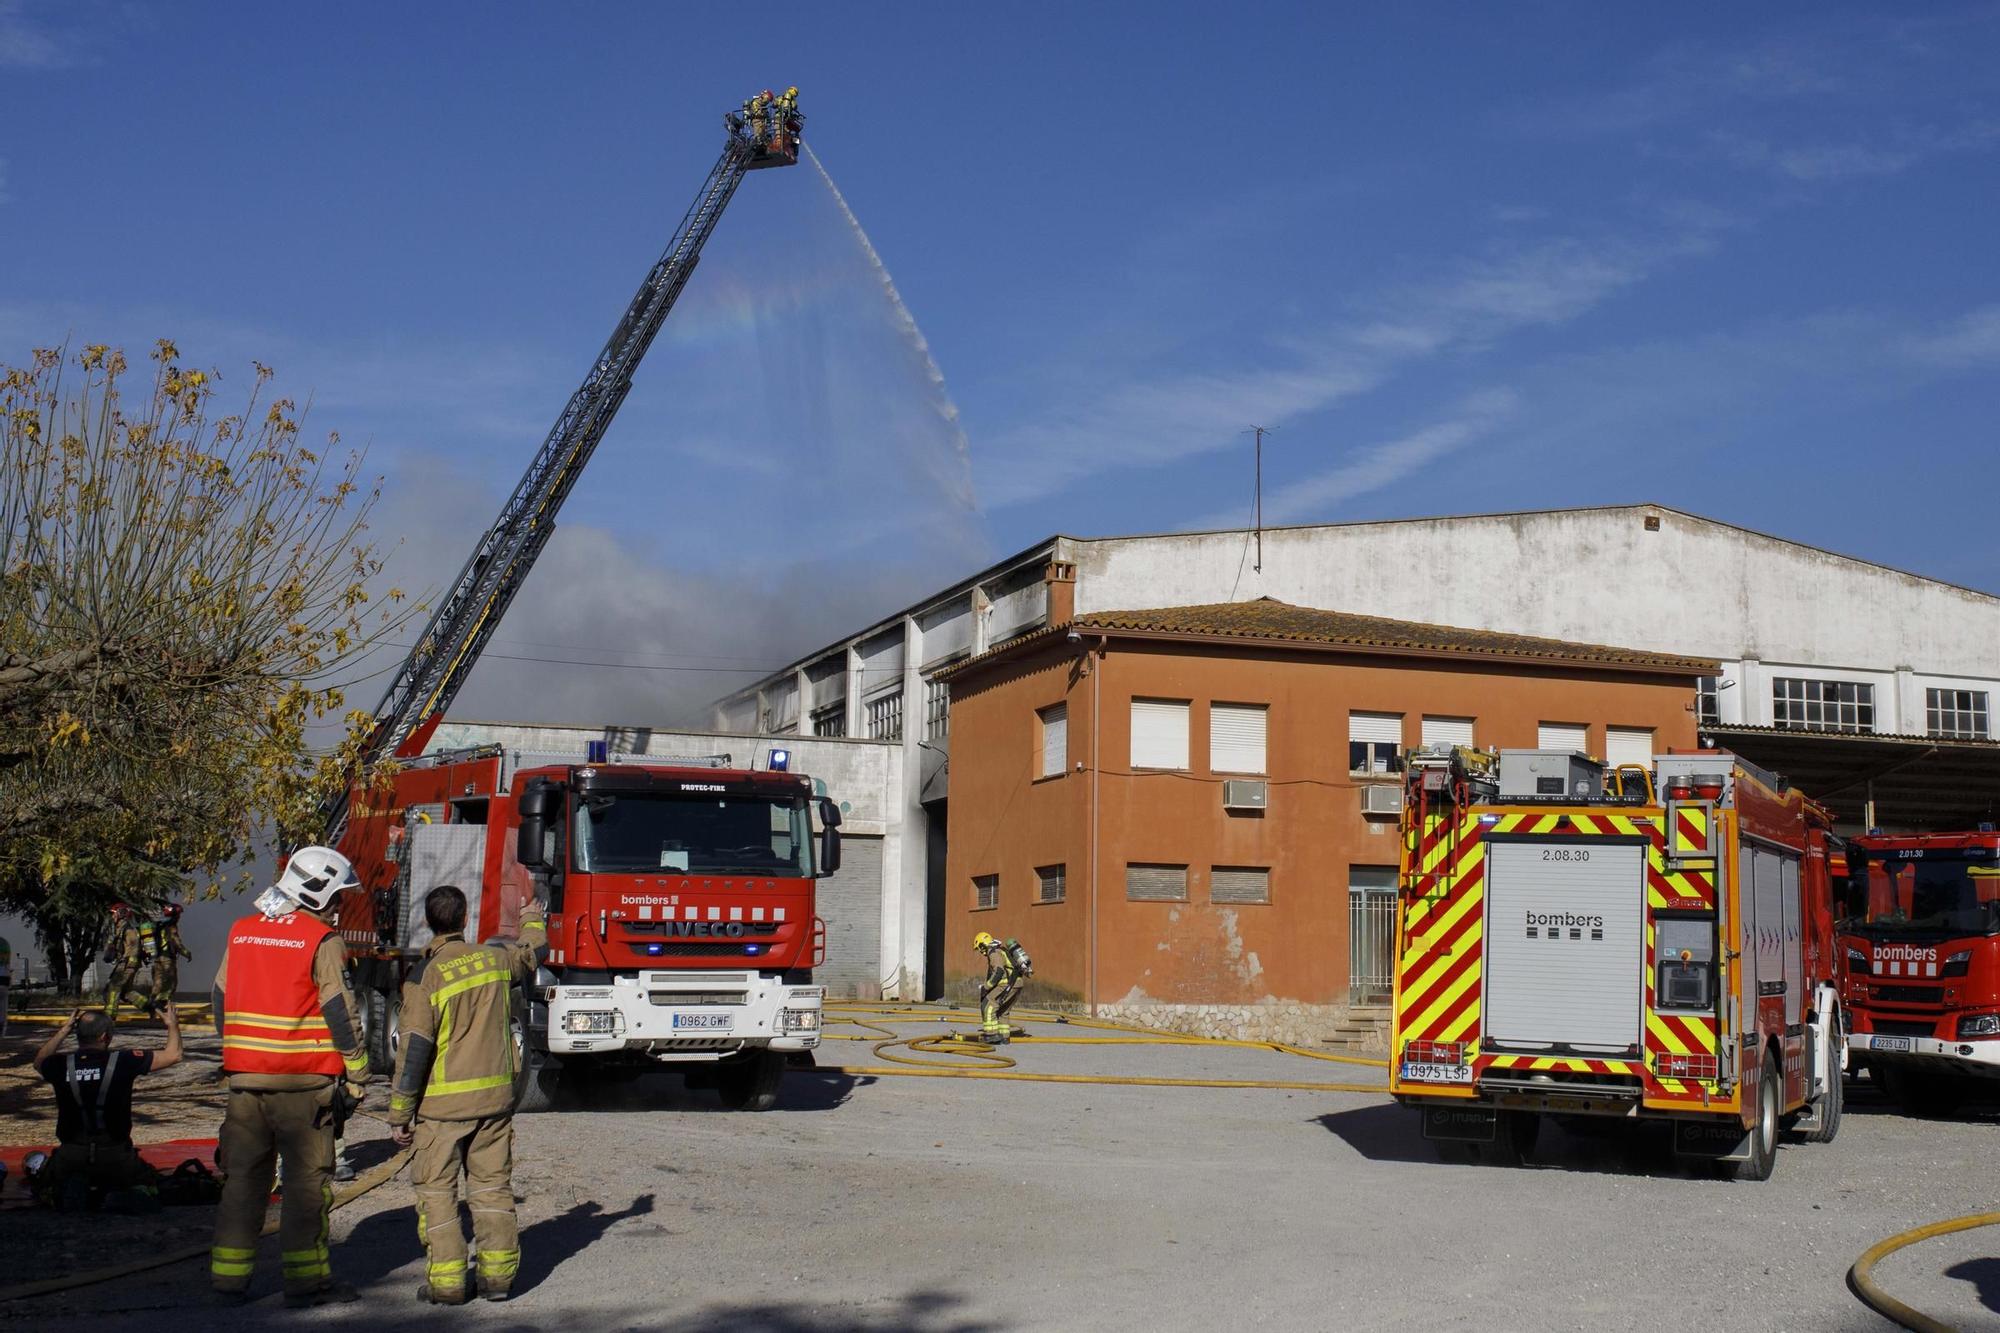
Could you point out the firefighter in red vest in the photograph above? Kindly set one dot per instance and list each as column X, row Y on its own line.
column 293, row 1054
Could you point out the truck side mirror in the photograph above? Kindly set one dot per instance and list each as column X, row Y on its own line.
column 829, row 838
column 539, row 801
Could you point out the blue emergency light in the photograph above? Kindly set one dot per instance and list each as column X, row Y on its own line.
column 780, row 760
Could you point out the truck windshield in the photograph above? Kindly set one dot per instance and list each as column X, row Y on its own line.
column 641, row 832
column 1957, row 897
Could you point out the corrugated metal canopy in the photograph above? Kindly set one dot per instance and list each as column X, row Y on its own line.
column 1918, row 782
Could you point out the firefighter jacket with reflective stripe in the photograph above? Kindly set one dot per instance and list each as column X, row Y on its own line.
column 286, row 1014
column 457, row 1057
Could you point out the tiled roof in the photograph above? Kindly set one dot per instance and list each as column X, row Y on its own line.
column 1273, row 622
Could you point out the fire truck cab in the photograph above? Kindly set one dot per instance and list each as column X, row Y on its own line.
column 1920, row 964
column 1641, row 944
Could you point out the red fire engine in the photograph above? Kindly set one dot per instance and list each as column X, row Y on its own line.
column 1920, row 964
column 1640, row 944
column 681, row 895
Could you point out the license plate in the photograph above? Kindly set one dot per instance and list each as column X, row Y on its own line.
column 1891, row 1044
column 1415, row 1073
column 701, row 1020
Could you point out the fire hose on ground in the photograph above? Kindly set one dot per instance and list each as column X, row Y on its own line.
column 989, row 1063
column 1861, row 1277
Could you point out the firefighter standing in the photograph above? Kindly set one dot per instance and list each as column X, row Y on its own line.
column 127, row 955
column 1007, row 970
column 455, row 1080
column 295, row 1067
column 163, row 941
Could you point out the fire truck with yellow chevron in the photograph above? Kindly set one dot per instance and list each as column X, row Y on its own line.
column 1592, row 946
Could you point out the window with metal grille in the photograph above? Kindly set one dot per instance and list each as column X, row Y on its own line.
column 885, row 716
column 1239, row 884
column 1562, row 736
column 1371, row 934
column 1048, row 884
column 1374, row 742
column 937, row 709
column 1447, row 730
column 830, row 720
column 1159, row 733
column 1147, row 883
column 1236, row 735
column 985, row 892
column 1822, row 705
column 1955, row 714
column 1708, row 701
column 1053, row 724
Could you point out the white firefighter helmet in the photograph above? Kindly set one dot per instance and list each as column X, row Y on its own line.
column 315, row 876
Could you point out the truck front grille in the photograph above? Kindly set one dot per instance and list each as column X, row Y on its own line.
column 1891, row 1027
column 1910, row 994
column 705, row 949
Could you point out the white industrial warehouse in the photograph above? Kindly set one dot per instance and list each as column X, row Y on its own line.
column 1811, row 644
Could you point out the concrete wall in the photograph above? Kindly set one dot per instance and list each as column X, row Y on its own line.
column 866, row 777
column 1692, row 586
column 1259, row 969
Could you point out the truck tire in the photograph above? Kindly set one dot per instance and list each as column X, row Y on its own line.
column 1514, row 1144
column 536, row 1083
column 1832, row 1102
column 1763, row 1158
column 751, row 1083
column 381, row 1024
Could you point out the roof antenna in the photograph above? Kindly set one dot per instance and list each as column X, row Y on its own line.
column 1257, row 504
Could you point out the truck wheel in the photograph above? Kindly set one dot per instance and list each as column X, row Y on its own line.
column 536, row 1083
column 1514, row 1144
column 1764, row 1132
column 1831, row 1103
column 381, row 1024
column 751, row 1083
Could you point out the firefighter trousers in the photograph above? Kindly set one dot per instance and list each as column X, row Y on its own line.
column 994, row 1005
column 122, row 978
column 484, row 1149
column 166, row 977
column 260, row 1128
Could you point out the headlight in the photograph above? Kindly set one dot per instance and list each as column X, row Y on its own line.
column 801, row 1020
column 1858, row 961
column 1979, row 1025
column 590, row 1020
column 1957, row 965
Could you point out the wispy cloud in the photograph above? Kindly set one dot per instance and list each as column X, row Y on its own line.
column 28, row 43
column 1684, row 82
column 1885, row 156
column 1378, row 465
column 1160, row 418
column 1970, row 341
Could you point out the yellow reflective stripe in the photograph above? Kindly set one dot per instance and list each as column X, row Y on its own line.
column 231, row 1267
column 272, row 1020
column 468, row 1085
column 491, row 977
column 447, row 1266
column 359, row 1062
column 231, row 1252
column 307, row 1046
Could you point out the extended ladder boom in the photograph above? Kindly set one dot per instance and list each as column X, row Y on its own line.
column 465, row 619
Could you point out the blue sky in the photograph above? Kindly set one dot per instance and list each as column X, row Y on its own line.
column 1463, row 257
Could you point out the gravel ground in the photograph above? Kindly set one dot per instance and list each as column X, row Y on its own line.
column 869, row 1203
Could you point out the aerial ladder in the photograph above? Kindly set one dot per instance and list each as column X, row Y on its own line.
column 765, row 133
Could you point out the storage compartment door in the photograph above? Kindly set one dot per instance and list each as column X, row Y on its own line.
column 1565, row 946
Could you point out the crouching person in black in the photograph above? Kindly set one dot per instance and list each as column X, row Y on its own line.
column 93, row 1084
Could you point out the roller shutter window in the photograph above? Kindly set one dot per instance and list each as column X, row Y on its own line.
column 985, row 892
column 1055, row 740
column 1562, row 736
column 1239, row 884
column 1628, row 745
column 1447, row 730
column 1155, row 883
column 1159, row 733
column 1049, row 884
column 850, row 902
column 1236, row 734
column 1374, row 742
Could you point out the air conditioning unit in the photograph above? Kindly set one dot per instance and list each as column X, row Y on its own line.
column 1244, row 794
column 1381, row 798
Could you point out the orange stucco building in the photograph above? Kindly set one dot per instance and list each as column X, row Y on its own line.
column 1172, row 808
